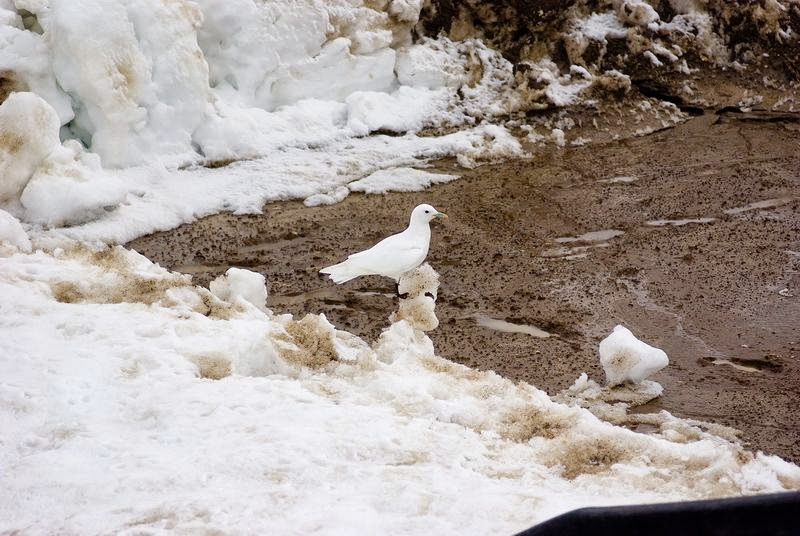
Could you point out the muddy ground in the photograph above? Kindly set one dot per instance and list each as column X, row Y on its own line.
column 720, row 295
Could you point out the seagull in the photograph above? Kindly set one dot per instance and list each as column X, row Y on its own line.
column 394, row 255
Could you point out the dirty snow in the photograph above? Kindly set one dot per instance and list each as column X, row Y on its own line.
column 167, row 408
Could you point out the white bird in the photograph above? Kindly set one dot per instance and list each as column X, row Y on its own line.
column 394, row 255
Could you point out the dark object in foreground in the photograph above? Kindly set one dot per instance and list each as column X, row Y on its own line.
column 758, row 515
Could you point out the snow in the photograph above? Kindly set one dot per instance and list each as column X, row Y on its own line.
column 627, row 359
column 167, row 413
column 132, row 400
column 28, row 133
column 12, row 233
column 240, row 284
column 70, row 188
column 399, row 179
column 141, row 81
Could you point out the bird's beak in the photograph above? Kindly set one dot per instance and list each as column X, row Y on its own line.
column 441, row 215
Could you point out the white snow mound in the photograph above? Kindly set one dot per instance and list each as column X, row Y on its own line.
column 238, row 283
column 627, row 359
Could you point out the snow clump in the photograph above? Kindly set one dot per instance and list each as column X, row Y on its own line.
column 627, row 359
column 28, row 133
column 240, row 284
column 12, row 233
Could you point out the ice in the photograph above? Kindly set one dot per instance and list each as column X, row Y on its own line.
column 627, row 359
column 399, row 179
column 12, row 233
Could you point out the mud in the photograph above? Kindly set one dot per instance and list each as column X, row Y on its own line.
column 713, row 286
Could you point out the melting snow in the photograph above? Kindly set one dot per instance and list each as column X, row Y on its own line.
column 134, row 400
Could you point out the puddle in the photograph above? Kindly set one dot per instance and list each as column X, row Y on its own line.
column 737, row 366
column 620, row 180
column 769, row 362
column 758, row 205
column 508, row 327
column 593, row 236
column 678, row 223
column 576, row 252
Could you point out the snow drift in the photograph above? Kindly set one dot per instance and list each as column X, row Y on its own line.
column 168, row 408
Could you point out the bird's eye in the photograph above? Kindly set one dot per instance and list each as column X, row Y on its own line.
column 427, row 212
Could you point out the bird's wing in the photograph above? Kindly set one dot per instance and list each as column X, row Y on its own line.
column 389, row 254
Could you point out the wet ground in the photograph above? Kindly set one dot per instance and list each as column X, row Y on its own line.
column 689, row 236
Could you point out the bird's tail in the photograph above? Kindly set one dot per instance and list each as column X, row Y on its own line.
column 339, row 273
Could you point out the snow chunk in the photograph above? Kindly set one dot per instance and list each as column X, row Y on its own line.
column 399, row 179
column 12, row 233
column 28, row 133
column 431, row 64
column 240, row 284
column 421, row 287
column 626, row 358
column 330, row 198
column 70, row 188
column 636, row 12
column 405, row 10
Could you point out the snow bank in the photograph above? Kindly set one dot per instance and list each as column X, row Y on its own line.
column 393, row 438
column 140, row 84
column 163, row 87
column 627, row 359
column 161, row 198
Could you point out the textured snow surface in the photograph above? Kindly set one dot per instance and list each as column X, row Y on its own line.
column 133, row 401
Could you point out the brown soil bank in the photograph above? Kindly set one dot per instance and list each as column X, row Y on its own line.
column 717, row 286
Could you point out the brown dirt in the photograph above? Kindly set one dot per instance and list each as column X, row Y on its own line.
column 703, row 292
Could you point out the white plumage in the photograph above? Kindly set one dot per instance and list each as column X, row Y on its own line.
column 394, row 255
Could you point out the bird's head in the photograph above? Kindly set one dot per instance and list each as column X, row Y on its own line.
column 425, row 213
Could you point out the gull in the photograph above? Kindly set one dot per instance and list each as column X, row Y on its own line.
column 394, row 255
